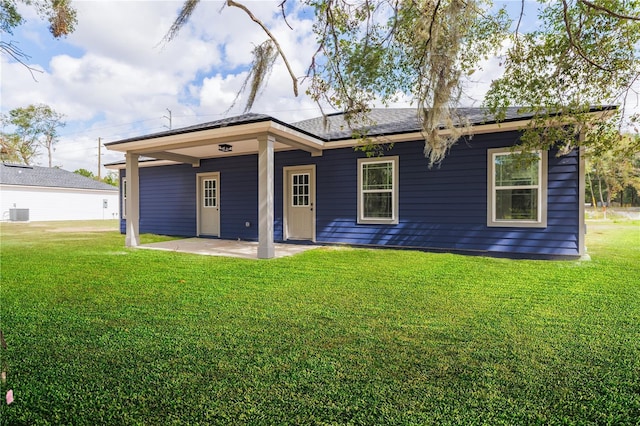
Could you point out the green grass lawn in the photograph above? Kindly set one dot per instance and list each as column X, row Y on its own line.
column 100, row 334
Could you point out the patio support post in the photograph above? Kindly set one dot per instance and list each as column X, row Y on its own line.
column 265, row 197
column 132, row 219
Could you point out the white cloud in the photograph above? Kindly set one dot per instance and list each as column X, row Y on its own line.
column 117, row 80
column 219, row 92
column 112, row 79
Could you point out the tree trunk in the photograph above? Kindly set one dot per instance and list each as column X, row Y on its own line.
column 604, row 206
column 49, row 143
column 593, row 197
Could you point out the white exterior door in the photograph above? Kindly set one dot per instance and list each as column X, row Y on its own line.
column 209, row 204
column 299, row 203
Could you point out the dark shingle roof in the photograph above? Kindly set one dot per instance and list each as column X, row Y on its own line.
column 230, row 121
column 333, row 127
column 389, row 121
column 20, row 175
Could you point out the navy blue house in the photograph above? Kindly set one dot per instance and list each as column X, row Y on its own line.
column 254, row 177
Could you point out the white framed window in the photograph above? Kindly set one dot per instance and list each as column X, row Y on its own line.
column 124, row 198
column 516, row 188
column 378, row 190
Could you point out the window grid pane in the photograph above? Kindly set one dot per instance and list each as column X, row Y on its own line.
column 377, row 176
column 300, row 190
column 510, row 170
column 210, row 193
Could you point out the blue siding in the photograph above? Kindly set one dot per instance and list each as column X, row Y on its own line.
column 168, row 199
column 441, row 208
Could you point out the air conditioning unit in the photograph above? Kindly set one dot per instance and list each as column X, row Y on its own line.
column 19, row 215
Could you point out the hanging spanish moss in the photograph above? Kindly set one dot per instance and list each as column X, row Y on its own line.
column 420, row 49
column 264, row 56
column 441, row 30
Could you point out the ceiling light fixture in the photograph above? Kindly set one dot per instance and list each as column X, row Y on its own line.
column 225, row 147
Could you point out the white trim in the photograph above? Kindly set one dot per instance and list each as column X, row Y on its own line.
column 142, row 164
column 395, row 199
column 541, row 222
column 123, row 196
column 9, row 186
column 199, row 177
column 222, row 134
column 286, row 195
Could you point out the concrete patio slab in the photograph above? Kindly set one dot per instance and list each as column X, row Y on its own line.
column 227, row 248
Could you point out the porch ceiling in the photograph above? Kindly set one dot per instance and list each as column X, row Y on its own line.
column 193, row 146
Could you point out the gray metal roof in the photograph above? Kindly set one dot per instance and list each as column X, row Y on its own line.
column 21, row 175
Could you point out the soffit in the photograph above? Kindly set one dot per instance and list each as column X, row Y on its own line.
column 206, row 143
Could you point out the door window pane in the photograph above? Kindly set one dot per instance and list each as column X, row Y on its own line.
column 300, row 194
column 210, row 196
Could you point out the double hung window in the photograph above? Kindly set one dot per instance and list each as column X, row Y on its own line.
column 378, row 190
column 517, row 188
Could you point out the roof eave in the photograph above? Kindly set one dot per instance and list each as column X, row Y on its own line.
column 217, row 135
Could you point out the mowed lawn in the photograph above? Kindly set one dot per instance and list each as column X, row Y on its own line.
column 102, row 335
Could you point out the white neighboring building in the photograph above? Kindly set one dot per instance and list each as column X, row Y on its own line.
column 32, row 193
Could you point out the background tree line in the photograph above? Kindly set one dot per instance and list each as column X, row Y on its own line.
column 25, row 131
column 613, row 177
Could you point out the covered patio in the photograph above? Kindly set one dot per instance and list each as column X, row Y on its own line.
column 225, row 248
column 247, row 134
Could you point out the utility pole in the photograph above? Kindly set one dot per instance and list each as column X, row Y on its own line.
column 99, row 158
column 168, row 118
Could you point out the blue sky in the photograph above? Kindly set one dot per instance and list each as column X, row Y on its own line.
column 111, row 78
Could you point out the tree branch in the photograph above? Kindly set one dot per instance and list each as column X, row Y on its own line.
column 572, row 43
column 284, row 16
column 16, row 53
column 336, row 43
column 272, row 37
column 519, row 19
column 609, row 11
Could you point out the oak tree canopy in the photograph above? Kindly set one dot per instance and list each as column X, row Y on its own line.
column 583, row 54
